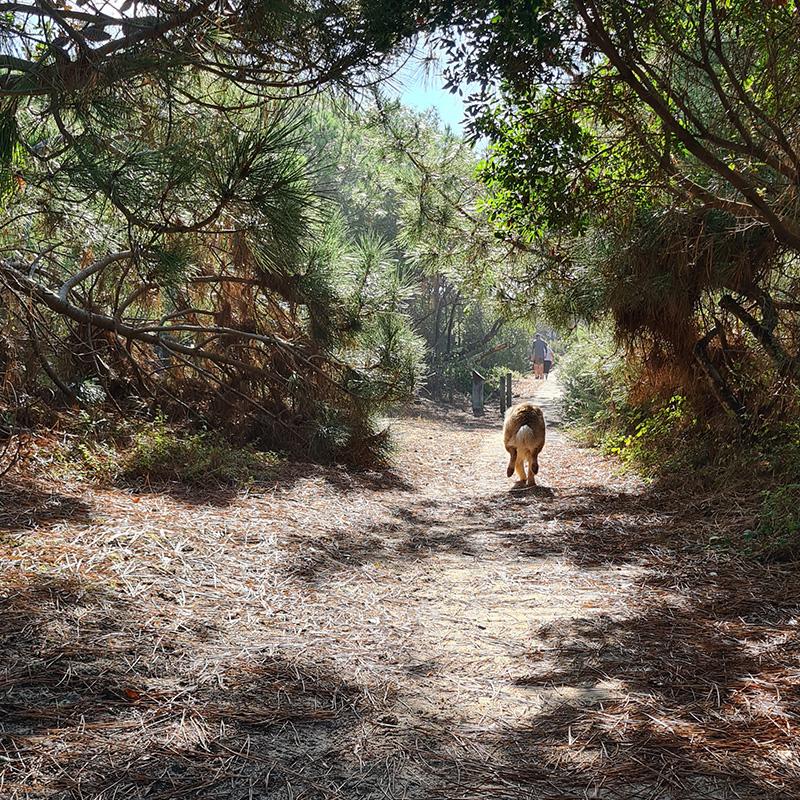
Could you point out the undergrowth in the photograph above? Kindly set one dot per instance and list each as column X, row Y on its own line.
column 655, row 441
column 135, row 453
column 664, row 439
column 592, row 373
column 777, row 534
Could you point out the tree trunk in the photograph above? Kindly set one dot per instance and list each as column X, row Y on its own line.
column 719, row 385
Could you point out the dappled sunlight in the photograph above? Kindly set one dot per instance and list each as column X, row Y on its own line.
column 278, row 340
column 433, row 635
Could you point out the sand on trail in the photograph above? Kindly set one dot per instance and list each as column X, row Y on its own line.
column 430, row 631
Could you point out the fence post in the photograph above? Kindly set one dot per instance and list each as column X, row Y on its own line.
column 509, row 399
column 502, row 393
column 477, row 393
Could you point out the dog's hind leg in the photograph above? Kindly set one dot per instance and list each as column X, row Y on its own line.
column 533, row 468
column 512, row 461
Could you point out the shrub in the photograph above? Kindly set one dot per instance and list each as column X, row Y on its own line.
column 655, row 434
column 154, row 452
column 781, row 445
column 335, row 438
column 159, row 454
column 592, row 373
column 495, row 374
column 777, row 534
column 660, row 440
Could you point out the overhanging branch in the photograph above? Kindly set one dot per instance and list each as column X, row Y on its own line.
column 787, row 364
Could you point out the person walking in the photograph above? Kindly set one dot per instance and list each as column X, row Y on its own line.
column 549, row 358
column 539, row 350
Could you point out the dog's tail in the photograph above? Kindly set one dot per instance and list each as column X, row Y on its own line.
column 526, row 438
column 531, row 429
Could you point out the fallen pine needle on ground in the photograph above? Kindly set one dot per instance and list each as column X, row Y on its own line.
column 426, row 632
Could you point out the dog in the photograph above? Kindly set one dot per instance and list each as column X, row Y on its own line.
column 523, row 437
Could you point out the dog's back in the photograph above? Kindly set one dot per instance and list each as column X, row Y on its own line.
column 524, row 427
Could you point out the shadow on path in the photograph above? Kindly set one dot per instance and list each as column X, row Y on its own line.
column 24, row 506
column 639, row 662
column 96, row 705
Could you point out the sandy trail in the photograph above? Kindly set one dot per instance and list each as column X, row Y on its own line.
column 429, row 632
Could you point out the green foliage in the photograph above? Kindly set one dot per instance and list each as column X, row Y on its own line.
column 272, row 49
column 159, row 454
column 175, row 207
column 658, row 441
column 629, row 149
column 777, row 534
column 657, row 436
column 530, row 174
column 233, row 253
column 420, row 254
column 780, row 443
column 12, row 158
column 307, row 316
column 593, row 374
column 152, row 453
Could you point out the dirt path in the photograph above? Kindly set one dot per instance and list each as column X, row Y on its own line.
column 425, row 633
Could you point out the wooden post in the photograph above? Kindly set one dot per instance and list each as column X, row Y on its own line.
column 509, row 399
column 503, row 405
column 478, row 382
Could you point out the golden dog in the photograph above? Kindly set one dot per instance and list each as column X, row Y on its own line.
column 523, row 436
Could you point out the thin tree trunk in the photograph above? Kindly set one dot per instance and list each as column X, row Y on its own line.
column 719, row 385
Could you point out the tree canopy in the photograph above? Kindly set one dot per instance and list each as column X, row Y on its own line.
column 186, row 225
column 183, row 211
column 165, row 234
column 654, row 147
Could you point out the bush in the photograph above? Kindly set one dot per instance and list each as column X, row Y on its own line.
column 592, row 373
column 777, row 534
column 656, row 436
column 781, row 446
column 162, row 454
column 659, row 441
column 157, row 453
column 495, row 374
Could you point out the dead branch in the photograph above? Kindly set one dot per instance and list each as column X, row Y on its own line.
column 95, row 266
column 787, row 364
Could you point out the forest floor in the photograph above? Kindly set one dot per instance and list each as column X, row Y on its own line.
column 428, row 632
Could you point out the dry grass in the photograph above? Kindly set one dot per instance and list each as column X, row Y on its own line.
column 426, row 633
